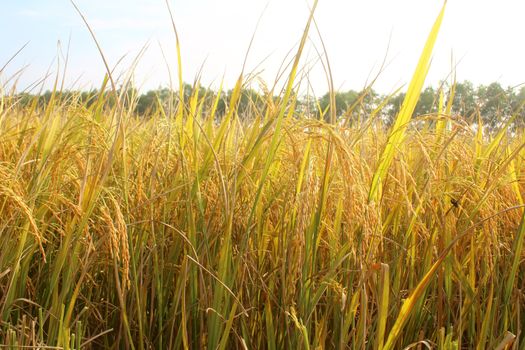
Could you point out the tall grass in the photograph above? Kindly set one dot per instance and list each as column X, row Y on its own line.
column 189, row 229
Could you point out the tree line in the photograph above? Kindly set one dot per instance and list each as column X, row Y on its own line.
column 492, row 103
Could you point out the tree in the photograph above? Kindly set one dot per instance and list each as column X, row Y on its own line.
column 343, row 100
column 494, row 107
column 517, row 105
column 427, row 102
column 464, row 103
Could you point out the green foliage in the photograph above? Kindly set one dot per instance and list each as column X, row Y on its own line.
column 343, row 100
column 494, row 103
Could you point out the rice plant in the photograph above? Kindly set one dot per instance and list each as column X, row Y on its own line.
column 190, row 228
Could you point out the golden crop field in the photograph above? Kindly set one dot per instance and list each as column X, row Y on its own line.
column 196, row 228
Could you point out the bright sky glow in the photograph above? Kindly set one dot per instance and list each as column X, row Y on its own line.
column 484, row 36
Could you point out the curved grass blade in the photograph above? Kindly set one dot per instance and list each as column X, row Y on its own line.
column 397, row 132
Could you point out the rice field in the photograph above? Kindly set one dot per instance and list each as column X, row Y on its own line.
column 191, row 229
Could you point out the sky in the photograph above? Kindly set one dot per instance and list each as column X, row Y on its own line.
column 482, row 38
